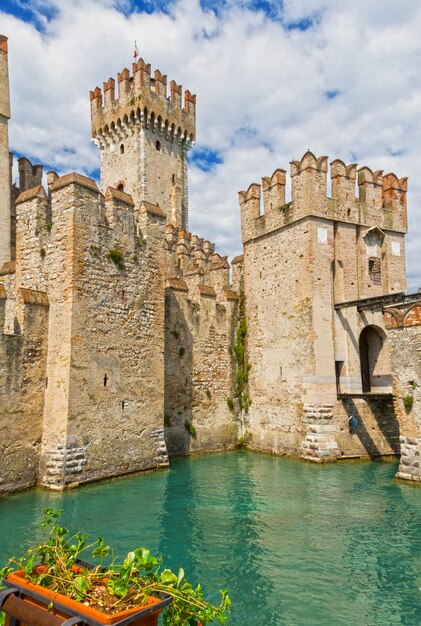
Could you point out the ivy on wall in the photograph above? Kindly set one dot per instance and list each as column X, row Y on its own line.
column 242, row 365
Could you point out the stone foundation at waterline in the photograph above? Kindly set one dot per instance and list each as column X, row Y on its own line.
column 404, row 330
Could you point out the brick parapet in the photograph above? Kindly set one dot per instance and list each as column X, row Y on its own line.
column 142, row 99
column 381, row 200
column 29, row 175
column 195, row 259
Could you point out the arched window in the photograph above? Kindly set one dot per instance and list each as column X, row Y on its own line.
column 158, row 145
column 120, row 186
column 122, row 148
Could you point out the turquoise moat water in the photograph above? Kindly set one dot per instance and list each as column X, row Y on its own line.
column 295, row 544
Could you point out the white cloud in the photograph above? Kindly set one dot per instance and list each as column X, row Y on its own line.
column 250, row 73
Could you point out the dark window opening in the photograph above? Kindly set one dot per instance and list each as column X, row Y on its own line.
column 105, row 380
column 375, row 270
column 370, row 347
column 122, row 405
column 120, row 187
column 158, row 145
column 338, row 372
column 173, row 179
column 122, row 148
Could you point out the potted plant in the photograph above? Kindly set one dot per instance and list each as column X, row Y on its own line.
column 50, row 585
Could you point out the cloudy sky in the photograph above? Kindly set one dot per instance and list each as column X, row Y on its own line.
column 272, row 79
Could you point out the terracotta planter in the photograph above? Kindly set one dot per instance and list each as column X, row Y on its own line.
column 28, row 605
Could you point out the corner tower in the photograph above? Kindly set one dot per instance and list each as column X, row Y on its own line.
column 5, row 170
column 317, row 274
column 144, row 137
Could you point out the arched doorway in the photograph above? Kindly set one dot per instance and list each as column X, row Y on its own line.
column 371, row 344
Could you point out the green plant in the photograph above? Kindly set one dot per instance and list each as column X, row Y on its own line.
column 408, row 402
column 114, row 586
column 181, row 352
column 42, row 253
column 208, row 394
column 230, row 404
column 285, row 207
column 49, row 226
column 167, row 421
column 242, row 366
column 95, row 250
column 135, row 258
column 190, row 429
column 243, row 441
column 116, row 256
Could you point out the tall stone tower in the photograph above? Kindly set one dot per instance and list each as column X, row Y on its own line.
column 318, row 351
column 5, row 171
column 144, row 138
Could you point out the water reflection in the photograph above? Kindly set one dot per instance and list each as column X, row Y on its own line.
column 295, row 544
column 210, row 522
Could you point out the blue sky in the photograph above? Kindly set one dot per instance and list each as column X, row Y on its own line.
column 272, row 79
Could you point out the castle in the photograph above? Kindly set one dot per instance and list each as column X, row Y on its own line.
column 126, row 340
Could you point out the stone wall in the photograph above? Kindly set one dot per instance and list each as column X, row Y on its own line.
column 199, row 373
column 101, row 262
column 102, row 388
column 149, row 166
column 404, row 331
column 23, row 356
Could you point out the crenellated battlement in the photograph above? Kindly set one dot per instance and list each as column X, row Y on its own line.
column 142, row 99
column 97, row 224
column 309, row 162
column 194, row 259
column 359, row 196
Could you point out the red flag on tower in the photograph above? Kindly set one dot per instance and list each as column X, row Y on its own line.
column 136, row 51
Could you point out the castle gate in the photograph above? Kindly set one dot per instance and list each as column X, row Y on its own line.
column 372, row 355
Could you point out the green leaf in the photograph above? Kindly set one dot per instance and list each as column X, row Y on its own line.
column 129, row 559
column 29, row 565
column 101, row 551
column 81, row 585
column 117, row 587
column 180, row 576
column 168, row 577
